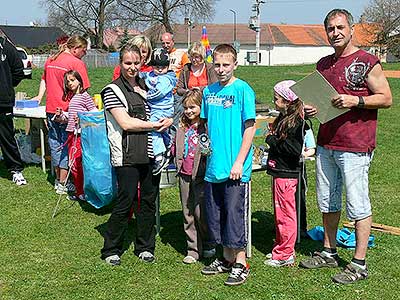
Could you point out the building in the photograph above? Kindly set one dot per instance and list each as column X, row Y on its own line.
column 31, row 36
column 280, row 44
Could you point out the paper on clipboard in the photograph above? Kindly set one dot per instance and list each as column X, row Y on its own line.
column 315, row 90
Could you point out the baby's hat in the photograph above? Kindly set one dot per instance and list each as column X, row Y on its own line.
column 283, row 89
column 159, row 57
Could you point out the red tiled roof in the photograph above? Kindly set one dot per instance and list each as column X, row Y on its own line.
column 274, row 34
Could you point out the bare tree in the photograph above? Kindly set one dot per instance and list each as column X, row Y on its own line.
column 81, row 16
column 385, row 13
column 166, row 12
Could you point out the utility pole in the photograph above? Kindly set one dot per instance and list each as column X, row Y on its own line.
column 236, row 43
column 255, row 24
column 234, row 25
column 188, row 23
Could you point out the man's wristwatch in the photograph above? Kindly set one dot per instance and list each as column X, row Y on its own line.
column 361, row 102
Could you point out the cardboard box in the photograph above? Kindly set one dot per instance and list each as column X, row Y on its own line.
column 32, row 127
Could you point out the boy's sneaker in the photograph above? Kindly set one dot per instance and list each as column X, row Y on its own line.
column 18, row 178
column 319, row 260
column 147, row 257
column 350, row 274
column 217, row 267
column 209, row 253
column 238, row 275
column 113, row 260
column 280, row 263
column 160, row 163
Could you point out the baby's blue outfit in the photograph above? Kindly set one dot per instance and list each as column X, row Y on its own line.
column 161, row 102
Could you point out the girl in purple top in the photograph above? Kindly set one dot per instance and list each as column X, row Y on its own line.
column 191, row 169
column 80, row 101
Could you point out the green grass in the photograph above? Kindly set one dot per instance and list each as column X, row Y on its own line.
column 45, row 258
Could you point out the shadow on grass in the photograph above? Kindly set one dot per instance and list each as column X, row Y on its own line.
column 172, row 231
column 87, row 207
column 129, row 234
column 263, row 235
column 4, row 173
column 3, row 170
column 262, row 231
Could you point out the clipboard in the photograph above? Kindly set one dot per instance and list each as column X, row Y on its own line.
column 315, row 90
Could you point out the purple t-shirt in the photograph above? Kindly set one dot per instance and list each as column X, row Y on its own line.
column 190, row 146
column 79, row 103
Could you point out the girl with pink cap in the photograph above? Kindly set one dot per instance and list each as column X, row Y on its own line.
column 285, row 141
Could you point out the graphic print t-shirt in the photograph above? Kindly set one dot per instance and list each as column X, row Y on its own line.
column 226, row 110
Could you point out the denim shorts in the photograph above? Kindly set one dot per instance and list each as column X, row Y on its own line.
column 337, row 168
column 227, row 208
column 57, row 138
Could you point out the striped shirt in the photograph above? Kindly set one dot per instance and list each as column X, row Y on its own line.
column 79, row 103
column 110, row 101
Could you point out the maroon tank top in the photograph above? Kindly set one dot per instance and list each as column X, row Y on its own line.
column 354, row 131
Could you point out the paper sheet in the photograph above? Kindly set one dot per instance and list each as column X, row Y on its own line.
column 315, row 90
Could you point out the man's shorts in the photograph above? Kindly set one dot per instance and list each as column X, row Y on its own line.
column 337, row 168
column 227, row 208
column 57, row 142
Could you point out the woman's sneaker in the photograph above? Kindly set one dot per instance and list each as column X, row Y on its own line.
column 147, row 257
column 65, row 189
column 18, row 178
column 56, row 184
column 238, row 274
column 113, row 260
column 189, row 260
column 280, row 263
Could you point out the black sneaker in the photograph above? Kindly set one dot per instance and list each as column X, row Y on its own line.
column 113, row 260
column 238, row 275
column 217, row 267
column 319, row 260
column 160, row 164
column 350, row 274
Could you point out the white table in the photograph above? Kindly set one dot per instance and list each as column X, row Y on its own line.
column 35, row 113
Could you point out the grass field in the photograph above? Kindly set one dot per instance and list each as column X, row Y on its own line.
column 45, row 258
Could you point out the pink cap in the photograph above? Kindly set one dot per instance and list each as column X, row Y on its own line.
column 282, row 88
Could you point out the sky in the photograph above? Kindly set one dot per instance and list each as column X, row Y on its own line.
column 21, row 12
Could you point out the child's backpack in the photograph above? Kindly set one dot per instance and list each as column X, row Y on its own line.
column 99, row 178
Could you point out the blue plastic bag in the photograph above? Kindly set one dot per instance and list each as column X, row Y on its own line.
column 344, row 238
column 99, row 178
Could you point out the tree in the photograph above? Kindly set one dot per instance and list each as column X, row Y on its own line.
column 385, row 13
column 166, row 12
column 81, row 16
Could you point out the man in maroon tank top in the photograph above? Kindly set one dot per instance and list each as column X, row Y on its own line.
column 346, row 143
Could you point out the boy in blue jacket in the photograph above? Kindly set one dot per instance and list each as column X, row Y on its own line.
column 161, row 83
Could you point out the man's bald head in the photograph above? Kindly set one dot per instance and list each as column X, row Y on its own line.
column 167, row 40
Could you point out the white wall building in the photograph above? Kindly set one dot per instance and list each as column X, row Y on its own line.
column 280, row 44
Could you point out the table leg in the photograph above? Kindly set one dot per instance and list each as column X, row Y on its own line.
column 248, row 247
column 158, row 212
column 42, row 146
column 298, row 208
